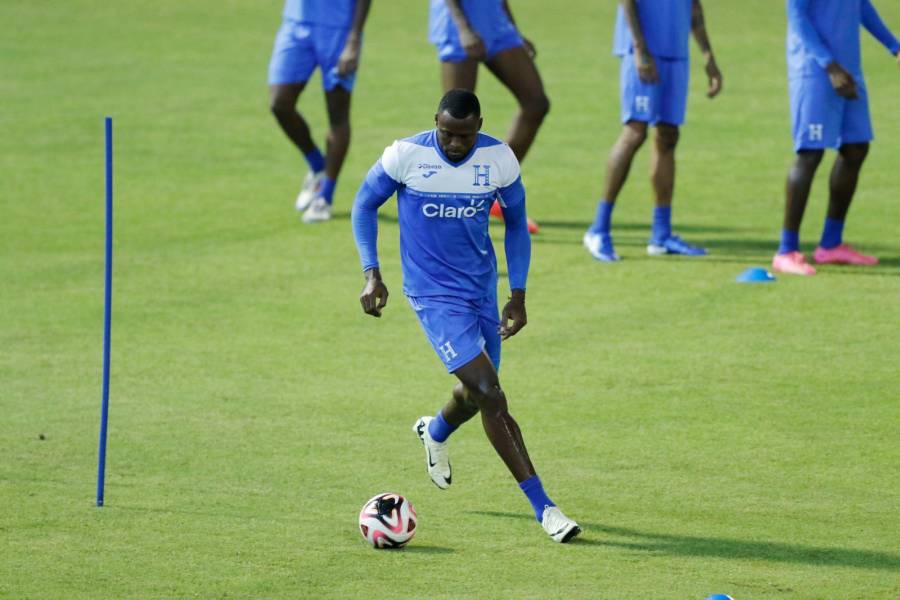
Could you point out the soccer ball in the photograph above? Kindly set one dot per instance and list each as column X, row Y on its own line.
column 387, row 521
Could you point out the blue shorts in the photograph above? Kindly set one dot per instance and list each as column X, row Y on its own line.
column 459, row 330
column 820, row 118
column 505, row 37
column 662, row 102
column 301, row 47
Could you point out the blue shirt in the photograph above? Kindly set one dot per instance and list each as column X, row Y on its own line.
column 443, row 209
column 332, row 13
column 487, row 18
column 825, row 31
column 666, row 25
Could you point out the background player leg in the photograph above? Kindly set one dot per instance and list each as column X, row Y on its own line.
column 337, row 102
column 842, row 186
column 283, row 104
column 597, row 238
column 662, row 176
column 517, row 71
column 789, row 259
column 462, row 74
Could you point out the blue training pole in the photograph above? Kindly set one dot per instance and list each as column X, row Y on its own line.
column 107, row 310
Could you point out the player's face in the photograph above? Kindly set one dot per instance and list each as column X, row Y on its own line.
column 456, row 136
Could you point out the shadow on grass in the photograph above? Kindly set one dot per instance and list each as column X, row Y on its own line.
column 724, row 547
column 418, row 549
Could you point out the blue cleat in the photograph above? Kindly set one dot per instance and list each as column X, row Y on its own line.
column 600, row 246
column 673, row 245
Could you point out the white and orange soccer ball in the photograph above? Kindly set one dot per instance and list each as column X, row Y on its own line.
column 387, row 521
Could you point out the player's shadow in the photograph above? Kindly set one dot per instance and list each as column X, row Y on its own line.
column 683, row 545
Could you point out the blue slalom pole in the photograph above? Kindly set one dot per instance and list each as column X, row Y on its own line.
column 107, row 313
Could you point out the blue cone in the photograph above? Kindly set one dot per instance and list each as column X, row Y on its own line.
column 755, row 275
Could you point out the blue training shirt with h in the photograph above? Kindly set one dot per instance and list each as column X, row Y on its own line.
column 821, row 32
column 448, row 260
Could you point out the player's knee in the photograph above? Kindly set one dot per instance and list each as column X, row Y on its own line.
column 487, row 395
column 281, row 104
column 635, row 134
column 854, row 154
column 667, row 137
column 536, row 108
column 809, row 159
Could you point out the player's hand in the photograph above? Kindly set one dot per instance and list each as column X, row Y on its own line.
column 513, row 311
column 842, row 81
column 715, row 78
column 374, row 295
column 472, row 44
column 530, row 49
column 348, row 62
column 646, row 66
column 898, row 58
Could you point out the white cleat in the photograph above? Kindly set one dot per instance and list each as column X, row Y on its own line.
column 311, row 184
column 436, row 457
column 318, row 211
column 558, row 526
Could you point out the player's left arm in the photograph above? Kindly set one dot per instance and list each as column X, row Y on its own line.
column 871, row 20
column 518, row 257
column 698, row 28
column 529, row 46
column 349, row 59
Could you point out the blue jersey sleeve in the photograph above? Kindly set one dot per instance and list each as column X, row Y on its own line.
column 377, row 188
column 518, row 240
column 874, row 25
column 798, row 17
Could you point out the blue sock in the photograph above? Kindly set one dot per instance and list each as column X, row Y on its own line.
column 327, row 189
column 662, row 223
column 833, row 234
column 534, row 489
column 439, row 429
column 315, row 159
column 790, row 241
column 604, row 215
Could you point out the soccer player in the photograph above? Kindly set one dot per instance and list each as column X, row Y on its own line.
column 469, row 32
column 327, row 34
column 651, row 39
column 829, row 109
column 445, row 180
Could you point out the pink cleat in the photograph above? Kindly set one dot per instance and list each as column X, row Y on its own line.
column 792, row 263
column 842, row 255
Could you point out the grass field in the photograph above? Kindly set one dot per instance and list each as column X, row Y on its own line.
column 710, row 437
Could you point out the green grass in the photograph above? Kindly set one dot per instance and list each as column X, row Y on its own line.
column 710, row 436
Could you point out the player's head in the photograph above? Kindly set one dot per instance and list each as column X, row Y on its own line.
column 457, row 123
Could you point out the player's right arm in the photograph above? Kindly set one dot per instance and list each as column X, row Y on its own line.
column 798, row 17
column 377, row 188
column 643, row 60
column 468, row 39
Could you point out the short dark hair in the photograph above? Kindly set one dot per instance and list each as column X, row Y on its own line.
column 460, row 103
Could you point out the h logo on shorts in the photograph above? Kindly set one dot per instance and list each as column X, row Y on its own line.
column 448, row 351
column 482, row 173
column 642, row 103
column 815, row 131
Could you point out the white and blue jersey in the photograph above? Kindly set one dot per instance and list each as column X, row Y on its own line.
column 447, row 257
column 821, row 32
column 313, row 34
column 487, row 18
column 666, row 25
